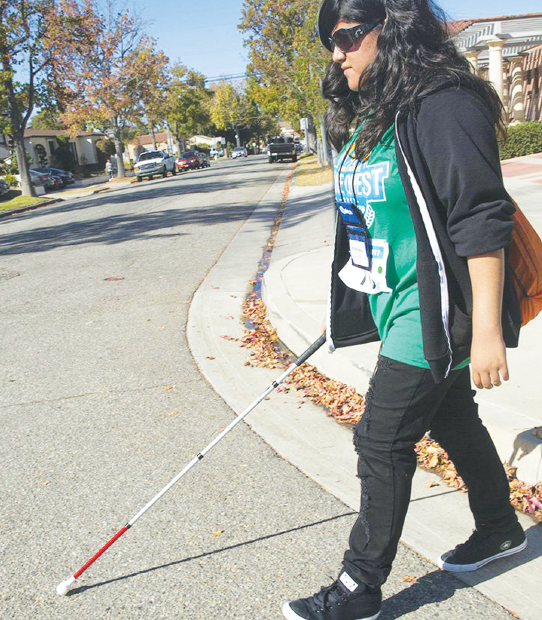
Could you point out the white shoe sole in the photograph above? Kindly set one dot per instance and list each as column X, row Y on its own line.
column 465, row 568
column 290, row 614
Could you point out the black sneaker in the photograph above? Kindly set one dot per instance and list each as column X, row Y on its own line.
column 480, row 549
column 343, row 600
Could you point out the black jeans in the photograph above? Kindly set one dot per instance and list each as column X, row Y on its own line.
column 402, row 404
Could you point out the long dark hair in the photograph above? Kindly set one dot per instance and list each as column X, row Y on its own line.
column 414, row 52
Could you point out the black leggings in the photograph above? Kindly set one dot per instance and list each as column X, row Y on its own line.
column 402, row 404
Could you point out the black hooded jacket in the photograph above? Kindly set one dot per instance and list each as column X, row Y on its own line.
column 448, row 159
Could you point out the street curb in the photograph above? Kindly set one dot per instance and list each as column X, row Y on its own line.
column 31, row 208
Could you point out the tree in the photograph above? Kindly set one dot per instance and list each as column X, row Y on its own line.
column 187, row 102
column 287, row 61
column 22, row 31
column 47, row 118
column 64, row 155
column 103, row 68
column 234, row 110
column 152, row 89
column 226, row 109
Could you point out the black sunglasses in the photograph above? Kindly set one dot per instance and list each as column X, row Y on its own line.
column 345, row 38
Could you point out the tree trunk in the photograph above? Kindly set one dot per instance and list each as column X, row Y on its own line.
column 119, row 148
column 17, row 131
column 177, row 139
column 26, row 184
column 153, row 136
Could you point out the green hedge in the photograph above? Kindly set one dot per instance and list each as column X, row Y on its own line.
column 523, row 139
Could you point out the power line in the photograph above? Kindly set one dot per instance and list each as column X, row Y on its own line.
column 226, row 78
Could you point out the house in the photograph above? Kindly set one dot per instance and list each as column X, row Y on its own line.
column 507, row 51
column 45, row 141
column 164, row 142
column 210, row 142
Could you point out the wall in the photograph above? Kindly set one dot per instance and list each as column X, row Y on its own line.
column 532, row 84
column 86, row 150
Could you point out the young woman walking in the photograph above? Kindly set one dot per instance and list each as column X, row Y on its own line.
column 420, row 264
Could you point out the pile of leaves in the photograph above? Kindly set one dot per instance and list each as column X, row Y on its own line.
column 265, row 351
column 526, row 498
column 346, row 406
column 433, row 458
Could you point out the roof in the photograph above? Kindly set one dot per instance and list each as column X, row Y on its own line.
column 147, row 138
column 457, row 26
column 53, row 133
column 504, row 17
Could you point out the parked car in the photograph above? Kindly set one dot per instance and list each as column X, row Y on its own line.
column 216, row 153
column 154, row 162
column 4, row 187
column 56, row 183
column 239, row 151
column 203, row 160
column 66, row 177
column 42, row 178
column 188, row 161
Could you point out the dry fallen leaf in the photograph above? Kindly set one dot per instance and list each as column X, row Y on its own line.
column 217, row 533
column 167, row 387
column 408, row 579
column 430, row 484
column 209, row 357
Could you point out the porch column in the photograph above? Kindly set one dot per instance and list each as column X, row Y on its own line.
column 496, row 66
column 517, row 100
column 472, row 57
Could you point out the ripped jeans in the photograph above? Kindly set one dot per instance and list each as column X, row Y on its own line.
column 402, row 404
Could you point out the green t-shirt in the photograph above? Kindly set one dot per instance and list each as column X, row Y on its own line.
column 382, row 263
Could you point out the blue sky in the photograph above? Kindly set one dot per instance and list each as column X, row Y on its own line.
column 203, row 34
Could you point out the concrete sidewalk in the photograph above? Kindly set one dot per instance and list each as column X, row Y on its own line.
column 295, row 292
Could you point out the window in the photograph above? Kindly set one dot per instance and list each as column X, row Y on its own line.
column 74, row 151
column 52, row 146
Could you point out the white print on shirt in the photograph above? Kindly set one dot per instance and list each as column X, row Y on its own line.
column 366, row 268
column 370, row 279
column 369, row 185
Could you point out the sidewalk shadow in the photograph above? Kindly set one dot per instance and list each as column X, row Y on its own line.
column 439, row 586
column 525, row 442
column 434, row 587
column 82, row 589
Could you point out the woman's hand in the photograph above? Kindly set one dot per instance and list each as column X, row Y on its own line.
column 488, row 352
column 488, row 360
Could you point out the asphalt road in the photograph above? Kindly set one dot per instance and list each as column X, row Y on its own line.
column 101, row 405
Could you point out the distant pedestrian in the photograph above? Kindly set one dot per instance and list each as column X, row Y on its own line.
column 109, row 168
column 420, row 264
